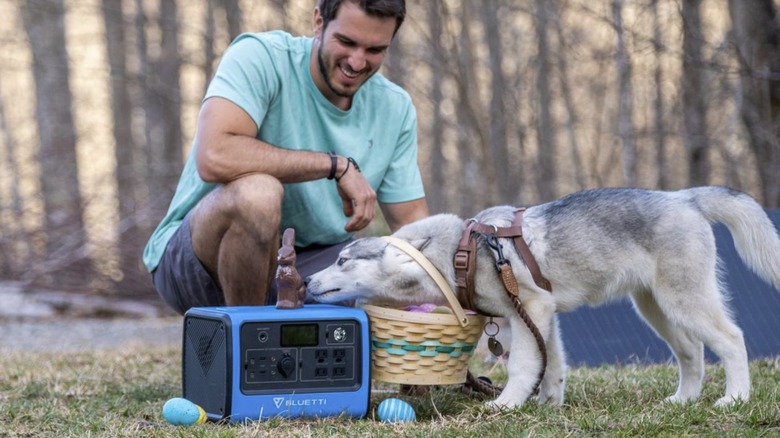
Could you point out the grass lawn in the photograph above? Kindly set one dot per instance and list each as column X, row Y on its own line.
column 121, row 393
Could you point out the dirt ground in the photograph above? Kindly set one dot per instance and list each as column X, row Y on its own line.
column 57, row 321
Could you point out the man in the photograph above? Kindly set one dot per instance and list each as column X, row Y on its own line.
column 293, row 132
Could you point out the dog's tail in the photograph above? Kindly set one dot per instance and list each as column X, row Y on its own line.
column 755, row 236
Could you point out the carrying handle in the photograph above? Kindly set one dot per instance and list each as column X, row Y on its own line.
column 434, row 274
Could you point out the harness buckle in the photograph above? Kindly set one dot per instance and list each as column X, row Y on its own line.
column 461, row 260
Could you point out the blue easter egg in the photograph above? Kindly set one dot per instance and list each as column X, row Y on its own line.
column 395, row 410
column 182, row 412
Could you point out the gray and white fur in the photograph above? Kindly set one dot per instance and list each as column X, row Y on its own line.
column 594, row 246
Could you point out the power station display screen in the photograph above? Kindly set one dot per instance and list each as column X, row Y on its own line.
column 299, row 335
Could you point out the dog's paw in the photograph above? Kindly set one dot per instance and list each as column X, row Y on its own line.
column 729, row 401
column 678, row 400
column 503, row 403
column 492, row 406
column 552, row 399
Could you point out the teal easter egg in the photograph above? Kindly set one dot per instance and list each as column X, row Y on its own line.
column 182, row 412
column 395, row 410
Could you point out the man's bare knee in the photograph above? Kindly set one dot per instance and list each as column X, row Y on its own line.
column 253, row 203
column 260, row 194
column 249, row 206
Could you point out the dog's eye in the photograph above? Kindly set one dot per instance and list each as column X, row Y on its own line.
column 341, row 261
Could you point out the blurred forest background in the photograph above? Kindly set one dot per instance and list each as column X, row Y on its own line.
column 519, row 101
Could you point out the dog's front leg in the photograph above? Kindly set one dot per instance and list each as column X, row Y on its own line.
column 522, row 367
column 525, row 359
column 553, row 385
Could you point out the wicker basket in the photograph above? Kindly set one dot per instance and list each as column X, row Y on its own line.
column 421, row 348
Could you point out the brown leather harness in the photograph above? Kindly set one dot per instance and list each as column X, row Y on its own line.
column 465, row 269
column 466, row 256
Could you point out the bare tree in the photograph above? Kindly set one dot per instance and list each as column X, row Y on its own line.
column 130, row 236
column 235, row 17
column 168, row 94
column 694, row 94
column 44, row 23
column 757, row 41
column 145, row 71
column 471, row 119
column 159, row 72
column 208, row 43
column 659, row 105
column 439, row 165
column 281, row 10
column 625, row 119
column 12, row 234
column 506, row 180
column 546, row 176
column 572, row 118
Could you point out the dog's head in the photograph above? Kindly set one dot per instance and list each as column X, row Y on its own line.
column 374, row 271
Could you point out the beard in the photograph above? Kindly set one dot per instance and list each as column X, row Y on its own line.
column 326, row 77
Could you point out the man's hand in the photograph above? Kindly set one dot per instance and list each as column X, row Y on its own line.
column 357, row 197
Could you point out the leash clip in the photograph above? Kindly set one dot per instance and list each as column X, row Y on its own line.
column 492, row 241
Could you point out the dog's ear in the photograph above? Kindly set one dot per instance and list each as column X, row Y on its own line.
column 420, row 244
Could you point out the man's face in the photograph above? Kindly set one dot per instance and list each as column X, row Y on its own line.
column 349, row 51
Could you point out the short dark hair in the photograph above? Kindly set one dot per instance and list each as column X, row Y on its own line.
column 377, row 8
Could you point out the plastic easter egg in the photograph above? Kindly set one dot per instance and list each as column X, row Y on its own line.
column 182, row 412
column 422, row 308
column 442, row 309
column 395, row 410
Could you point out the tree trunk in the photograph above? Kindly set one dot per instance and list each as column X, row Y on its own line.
column 130, row 236
column 625, row 99
column 281, row 8
column 572, row 120
column 437, row 165
column 44, row 22
column 14, row 243
column 169, row 97
column 546, row 171
column 506, row 179
column 235, row 17
column 659, row 105
column 757, row 40
column 208, row 44
column 161, row 97
column 155, row 201
column 694, row 95
column 470, row 117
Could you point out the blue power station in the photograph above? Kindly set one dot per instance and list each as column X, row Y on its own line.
column 256, row 362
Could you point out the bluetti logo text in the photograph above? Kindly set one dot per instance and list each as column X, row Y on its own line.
column 281, row 401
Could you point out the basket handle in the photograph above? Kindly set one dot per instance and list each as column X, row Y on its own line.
column 435, row 275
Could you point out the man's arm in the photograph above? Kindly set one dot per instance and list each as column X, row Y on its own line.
column 399, row 214
column 227, row 150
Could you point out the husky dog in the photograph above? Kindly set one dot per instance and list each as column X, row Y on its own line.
column 657, row 248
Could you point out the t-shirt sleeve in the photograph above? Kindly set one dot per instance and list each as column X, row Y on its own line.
column 403, row 181
column 246, row 76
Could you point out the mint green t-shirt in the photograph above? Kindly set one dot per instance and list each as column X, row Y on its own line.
column 267, row 75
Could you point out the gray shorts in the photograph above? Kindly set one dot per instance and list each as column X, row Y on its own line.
column 182, row 281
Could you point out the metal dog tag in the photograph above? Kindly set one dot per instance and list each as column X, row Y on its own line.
column 495, row 347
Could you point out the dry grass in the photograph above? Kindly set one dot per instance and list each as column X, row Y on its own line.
column 121, row 393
